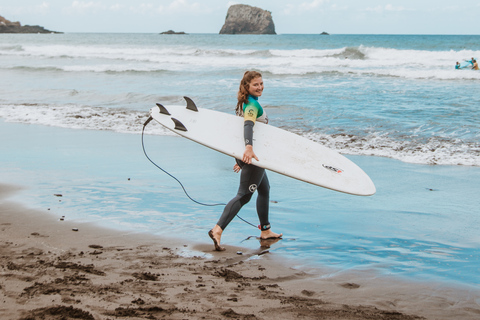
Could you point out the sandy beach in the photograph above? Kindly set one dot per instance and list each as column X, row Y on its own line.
column 57, row 269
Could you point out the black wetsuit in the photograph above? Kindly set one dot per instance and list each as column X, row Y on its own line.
column 252, row 178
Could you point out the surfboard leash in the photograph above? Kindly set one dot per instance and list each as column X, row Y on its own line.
column 179, row 182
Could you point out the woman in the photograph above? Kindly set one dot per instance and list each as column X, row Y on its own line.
column 252, row 177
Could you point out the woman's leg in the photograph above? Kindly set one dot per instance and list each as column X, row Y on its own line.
column 250, row 179
column 263, row 203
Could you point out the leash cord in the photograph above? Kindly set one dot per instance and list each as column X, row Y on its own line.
column 179, row 182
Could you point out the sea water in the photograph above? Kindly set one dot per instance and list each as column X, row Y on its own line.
column 72, row 108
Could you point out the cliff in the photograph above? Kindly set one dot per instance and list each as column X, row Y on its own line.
column 244, row 19
column 7, row 26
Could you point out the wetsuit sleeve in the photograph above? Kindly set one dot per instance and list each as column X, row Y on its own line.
column 250, row 112
column 250, row 115
column 248, row 132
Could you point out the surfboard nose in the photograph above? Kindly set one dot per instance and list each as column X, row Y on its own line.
column 370, row 190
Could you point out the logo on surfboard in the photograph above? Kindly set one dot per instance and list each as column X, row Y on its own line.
column 336, row 170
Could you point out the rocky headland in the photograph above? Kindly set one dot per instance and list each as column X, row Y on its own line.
column 7, row 26
column 244, row 19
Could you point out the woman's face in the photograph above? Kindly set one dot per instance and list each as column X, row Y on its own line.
column 256, row 87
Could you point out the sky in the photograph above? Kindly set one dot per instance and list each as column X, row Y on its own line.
column 289, row 16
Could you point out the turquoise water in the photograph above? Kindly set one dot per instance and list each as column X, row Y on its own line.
column 73, row 107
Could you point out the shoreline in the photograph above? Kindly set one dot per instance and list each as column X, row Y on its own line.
column 50, row 270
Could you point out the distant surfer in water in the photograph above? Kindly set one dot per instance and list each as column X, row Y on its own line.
column 475, row 64
column 252, row 178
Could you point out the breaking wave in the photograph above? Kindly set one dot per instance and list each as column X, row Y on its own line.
column 433, row 150
column 360, row 60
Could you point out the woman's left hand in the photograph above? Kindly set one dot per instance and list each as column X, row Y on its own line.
column 236, row 168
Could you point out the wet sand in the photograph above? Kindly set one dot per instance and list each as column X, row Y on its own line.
column 54, row 269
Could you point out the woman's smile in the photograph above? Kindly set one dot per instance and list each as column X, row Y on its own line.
column 256, row 87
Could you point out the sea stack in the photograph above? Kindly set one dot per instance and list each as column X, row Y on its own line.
column 7, row 26
column 244, row 19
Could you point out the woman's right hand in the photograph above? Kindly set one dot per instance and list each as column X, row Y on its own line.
column 249, row 154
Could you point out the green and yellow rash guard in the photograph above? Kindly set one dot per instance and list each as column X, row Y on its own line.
column 252, row 111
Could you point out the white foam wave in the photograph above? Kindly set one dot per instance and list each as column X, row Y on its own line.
column 435, row 150
column 100, row 68
column 80, row 117
column 362, row 60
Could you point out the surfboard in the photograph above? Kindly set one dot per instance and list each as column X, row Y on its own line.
column 466, row 64
column 278, row 150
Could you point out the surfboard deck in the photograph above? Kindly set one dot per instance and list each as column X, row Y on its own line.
column 278, row 150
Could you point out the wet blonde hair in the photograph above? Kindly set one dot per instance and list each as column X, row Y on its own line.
column 242, row 95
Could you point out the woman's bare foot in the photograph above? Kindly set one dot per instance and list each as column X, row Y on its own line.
column 269, row 234
column 216, row 234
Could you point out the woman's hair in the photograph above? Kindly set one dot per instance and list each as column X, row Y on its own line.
column 242, row 94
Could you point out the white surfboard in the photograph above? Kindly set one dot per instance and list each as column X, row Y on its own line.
column 277, row 150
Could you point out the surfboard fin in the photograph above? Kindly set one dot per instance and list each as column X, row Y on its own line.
column 190, row 104
column 178, row 125
column 163, row 110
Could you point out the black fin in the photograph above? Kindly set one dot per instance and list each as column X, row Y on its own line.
column 163, row 110
column 179, row 125
column 190, row 104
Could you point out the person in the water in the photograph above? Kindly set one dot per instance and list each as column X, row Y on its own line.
column 475, row 64
column 252, row 178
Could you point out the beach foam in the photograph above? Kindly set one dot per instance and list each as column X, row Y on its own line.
column 439, row 149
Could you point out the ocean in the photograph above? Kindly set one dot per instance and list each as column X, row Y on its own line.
column 72, row 108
